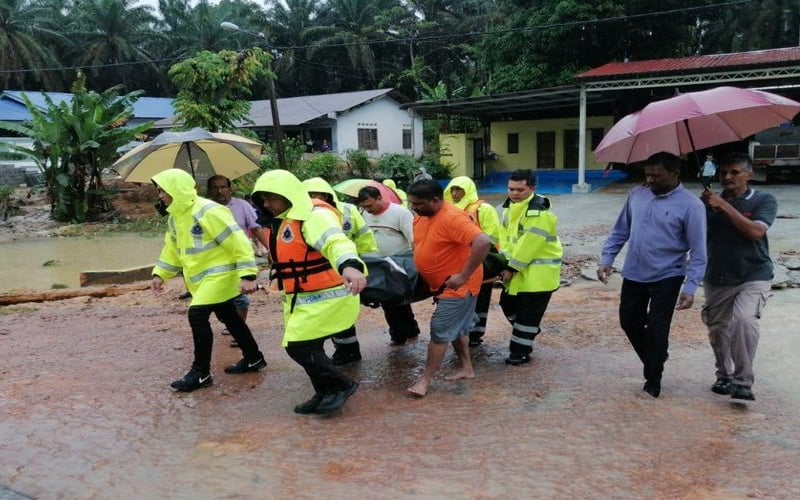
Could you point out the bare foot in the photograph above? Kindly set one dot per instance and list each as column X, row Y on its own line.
column 419, row 390
column 461, row 374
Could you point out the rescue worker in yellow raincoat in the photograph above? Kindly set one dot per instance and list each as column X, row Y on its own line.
column 356, row 229
column 206, row 245
column 529, row 241
column 400, row 193
column 462, row 193
column 320, row 274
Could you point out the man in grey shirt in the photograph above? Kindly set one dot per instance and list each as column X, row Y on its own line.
column 739, row 273
column 664, row 226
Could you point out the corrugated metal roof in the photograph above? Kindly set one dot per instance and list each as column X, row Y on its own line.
column 706, row 63
column 146, row 108
column 11, row 111
column 294, row 111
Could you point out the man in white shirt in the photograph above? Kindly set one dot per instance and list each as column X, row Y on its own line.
column 392, row 226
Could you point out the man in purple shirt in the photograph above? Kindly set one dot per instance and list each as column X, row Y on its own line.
column 664, row 226
column 219, row 190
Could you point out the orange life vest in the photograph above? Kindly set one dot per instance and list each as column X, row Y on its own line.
column 472, row 211
column 299, row 267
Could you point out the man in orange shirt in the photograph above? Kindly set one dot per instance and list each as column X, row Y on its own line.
column 448, row 251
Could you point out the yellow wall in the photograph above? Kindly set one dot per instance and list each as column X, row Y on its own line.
column 456, row 151
column 526, row 158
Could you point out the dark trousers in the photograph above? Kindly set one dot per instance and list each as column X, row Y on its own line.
column 524, row 311
column 204, row 337
column 324, row 375
column 401, row 321
column 645, row 314
column 482, row 310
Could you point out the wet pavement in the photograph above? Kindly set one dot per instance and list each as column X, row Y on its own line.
column 87, row 411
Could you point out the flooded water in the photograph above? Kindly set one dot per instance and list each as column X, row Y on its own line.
column 41, row 263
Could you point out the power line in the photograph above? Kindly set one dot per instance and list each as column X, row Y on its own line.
column 415, row 39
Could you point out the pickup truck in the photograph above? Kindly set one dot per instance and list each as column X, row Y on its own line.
column 776, row 154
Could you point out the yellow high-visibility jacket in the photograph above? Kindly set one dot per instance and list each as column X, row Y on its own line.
column 353, row 223
column 320, row 313
column 203, row 241
column 530, row 243
column 486, row 218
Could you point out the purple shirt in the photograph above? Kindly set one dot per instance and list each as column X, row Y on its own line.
column 666, row 237
column 244, row 214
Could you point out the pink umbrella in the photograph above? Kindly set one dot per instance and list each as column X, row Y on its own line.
column 351, row 187
column 692, row 121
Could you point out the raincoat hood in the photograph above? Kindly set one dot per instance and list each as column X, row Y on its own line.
column 284, row 183
column 320, row 185
column 470, row 191
column 180, row 185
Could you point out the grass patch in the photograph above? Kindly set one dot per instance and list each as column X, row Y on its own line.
column 58, row 286
column 147, row 226
column 50, row 263
column 5, row 311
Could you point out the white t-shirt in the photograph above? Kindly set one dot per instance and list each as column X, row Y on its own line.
column 393, row 229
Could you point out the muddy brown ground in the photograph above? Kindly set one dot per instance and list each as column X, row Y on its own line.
column 87, row 412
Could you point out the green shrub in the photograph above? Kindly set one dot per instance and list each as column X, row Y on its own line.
column 432, row 163
column 360, row 164
column 321, row 165
column 398, row 167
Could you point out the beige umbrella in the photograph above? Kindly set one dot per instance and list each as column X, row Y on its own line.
column 197, row 151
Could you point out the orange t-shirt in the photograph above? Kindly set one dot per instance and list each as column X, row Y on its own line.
column 442, row 245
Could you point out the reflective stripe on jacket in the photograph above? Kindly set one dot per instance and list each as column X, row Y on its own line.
column 203, row 241
column 530, row 243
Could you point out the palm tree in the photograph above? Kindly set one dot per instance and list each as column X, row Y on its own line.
column 117, row 37
column 288, row 28
column 26, row 34
column 345, row 33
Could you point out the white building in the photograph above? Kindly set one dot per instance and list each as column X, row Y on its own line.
column 370, row 120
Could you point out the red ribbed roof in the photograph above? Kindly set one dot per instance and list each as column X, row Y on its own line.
column 772, row 57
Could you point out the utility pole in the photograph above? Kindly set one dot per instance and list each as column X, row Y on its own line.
column 277, row 131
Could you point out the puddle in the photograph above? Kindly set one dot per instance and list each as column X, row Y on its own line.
column 39, row 264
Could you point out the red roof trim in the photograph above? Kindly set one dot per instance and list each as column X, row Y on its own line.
column 707, row 62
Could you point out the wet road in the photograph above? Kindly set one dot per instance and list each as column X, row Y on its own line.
column 87, row 413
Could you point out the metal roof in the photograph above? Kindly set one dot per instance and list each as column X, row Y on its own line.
column 295, row 111
column 145, row 108
column 712, row 62
column 527, row 103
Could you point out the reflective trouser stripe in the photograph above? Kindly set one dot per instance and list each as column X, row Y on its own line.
column 345, row 340
column 519, row 340
column 526, row 329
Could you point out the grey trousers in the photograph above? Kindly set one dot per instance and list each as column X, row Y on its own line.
column 731, row 314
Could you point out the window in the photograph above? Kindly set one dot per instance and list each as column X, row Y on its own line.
column 545, row 150
column 406, row 139
column 368, row 138
column 513, row 143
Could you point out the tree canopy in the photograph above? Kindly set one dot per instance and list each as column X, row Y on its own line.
column 468, row 47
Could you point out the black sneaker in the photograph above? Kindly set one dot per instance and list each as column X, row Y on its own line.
column 309, row 406
column 518, row 358
column 475, row 342
column 652, row 388
column 742, row 392
column 244, row 366
column 721, row 386
column 193, row 380
column 344, row 355
column 185, row 295
column 335, row 400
